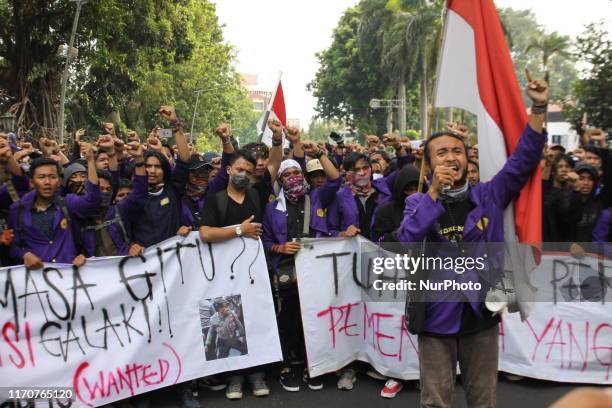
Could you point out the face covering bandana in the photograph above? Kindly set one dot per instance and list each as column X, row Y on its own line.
column 455, row 195
column 75, row 187
column 195, row 191
column 360, row 184
column 240, row 181
column 105, row 199
column 294, row 188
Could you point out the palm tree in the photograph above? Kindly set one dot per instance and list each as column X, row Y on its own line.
column 550, row 45
column 409, row 31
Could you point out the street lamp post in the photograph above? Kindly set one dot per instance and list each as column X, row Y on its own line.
column 389, row 105
column 69, row 57
column 195, row 108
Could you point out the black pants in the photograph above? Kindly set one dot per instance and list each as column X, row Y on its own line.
column 225, row 345
column 290, row 329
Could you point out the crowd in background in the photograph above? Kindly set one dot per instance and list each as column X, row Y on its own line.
column 118, row 195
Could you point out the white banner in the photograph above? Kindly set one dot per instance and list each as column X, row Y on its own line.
column 566, row 341
column 122, row 326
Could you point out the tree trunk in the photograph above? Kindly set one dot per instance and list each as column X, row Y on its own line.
column 424, row 102
column 402, row 110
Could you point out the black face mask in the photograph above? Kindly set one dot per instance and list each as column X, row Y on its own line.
column 240, row 181
column 75, row 187
column 105, row 199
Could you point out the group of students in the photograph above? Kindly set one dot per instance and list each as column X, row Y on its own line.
column 114, row 197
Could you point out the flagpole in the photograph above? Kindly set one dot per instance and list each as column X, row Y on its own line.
column 267, row 114
column 432, row 108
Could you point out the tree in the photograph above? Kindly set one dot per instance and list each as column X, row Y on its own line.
column 521, row 28
column 593, row 91
column 132, row 59
column 349, row 76
column 410, row 47
column 550, row 45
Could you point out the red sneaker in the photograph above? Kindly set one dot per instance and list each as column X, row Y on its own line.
column 392, row 387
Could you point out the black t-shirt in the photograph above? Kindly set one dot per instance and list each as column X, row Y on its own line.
column 452, row 224
column 235, row 213
column 453, row 220
column 366, row 213
column 295, row 220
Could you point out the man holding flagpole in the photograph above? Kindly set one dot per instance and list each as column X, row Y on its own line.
column 453, row 211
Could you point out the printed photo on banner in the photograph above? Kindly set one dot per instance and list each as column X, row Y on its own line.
column 223, row 333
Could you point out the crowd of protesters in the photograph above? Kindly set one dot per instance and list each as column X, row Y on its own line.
column 116, row 196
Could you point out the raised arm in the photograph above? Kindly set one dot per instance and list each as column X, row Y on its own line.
column 168, row 113
column 276, row 151
column 84, row 206
column 509, row 181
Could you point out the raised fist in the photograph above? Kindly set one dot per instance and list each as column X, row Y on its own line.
column 276, row 127
column 537, row 90
column 168, row 113
column 224, row 131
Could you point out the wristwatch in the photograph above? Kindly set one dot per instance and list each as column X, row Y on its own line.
column 238, row 231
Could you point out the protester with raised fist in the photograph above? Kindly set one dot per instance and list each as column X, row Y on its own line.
column 452, row 212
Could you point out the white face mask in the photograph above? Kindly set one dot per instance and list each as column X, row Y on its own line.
column 377, row 176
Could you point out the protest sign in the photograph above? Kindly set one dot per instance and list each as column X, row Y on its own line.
column 122, row 326
column 562, row 340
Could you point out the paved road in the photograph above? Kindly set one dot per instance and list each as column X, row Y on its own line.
column 522, row 394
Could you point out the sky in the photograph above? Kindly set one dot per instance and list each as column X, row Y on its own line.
column 284, row 35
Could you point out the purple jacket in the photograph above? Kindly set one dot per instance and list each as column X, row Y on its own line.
column 602, row 231
column 62, row 246
column 490, row 199
column 22, row 186
column 275, row 217
column 217, row 184
column 128, row 208
column 343, row 211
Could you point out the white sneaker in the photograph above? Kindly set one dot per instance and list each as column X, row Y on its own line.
column 234, row 388
column 347, row 380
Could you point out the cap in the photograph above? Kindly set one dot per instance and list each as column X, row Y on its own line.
column 196, row 161
column 220, row 302
column 582, row 167
column 209, row 156
column 72, row 169
column 313, row 165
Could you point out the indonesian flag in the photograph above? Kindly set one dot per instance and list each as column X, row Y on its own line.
column 476, row 74
column 276, row 110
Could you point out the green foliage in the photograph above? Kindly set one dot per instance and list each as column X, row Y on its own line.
column 320, row 129
column 593, row 91
column 540, row 52
column 379, row 45
column 133, row 57
column 350, row 76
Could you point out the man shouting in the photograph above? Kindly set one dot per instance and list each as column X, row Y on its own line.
column 453, row 211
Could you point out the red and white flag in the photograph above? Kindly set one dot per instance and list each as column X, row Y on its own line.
column 276, row 110
column 476, row 74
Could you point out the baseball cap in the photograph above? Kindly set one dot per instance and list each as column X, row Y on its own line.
column 209, row 156
column 313, row 165
column 588, row 168
column 196, row 161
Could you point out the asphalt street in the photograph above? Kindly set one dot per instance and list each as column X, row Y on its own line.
column 527, row 393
